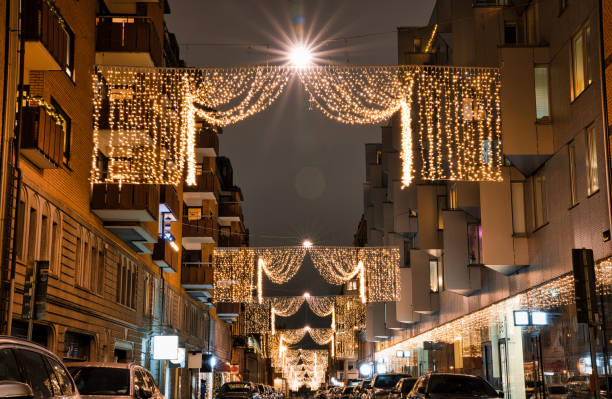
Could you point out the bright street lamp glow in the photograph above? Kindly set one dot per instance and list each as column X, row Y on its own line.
column 307, row 244
column 307, row 328
column 307, row 295
column 300, row 56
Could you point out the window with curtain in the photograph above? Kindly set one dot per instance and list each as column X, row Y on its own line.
column 580, row 61
column 434, row 284
column 591, row 158
column 541, row 92
column 571, row 152
column 539, row 200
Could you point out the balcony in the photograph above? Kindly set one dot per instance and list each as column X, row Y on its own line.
column 228, row 311
column 43, row 138
column 47, row 42
column 229, row 212
column 207, row 144
column 234, row 240
column 197, row 280
column 165, row 256
column 128, row 202
column 169, row 201
column 198, row 232
column 206, row 188
column 127, row 40
column 462, row 253
column 126, row 210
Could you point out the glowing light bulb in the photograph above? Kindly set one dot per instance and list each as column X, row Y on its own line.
column 300, row 56
column 307, row 295
column 307, row 244
column 307, row 328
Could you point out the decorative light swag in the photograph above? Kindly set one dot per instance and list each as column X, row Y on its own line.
column 144, row 118
column 377, row 269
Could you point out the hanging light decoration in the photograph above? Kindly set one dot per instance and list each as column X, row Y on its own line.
column 144, row 118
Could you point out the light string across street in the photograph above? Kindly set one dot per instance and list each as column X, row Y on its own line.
column 144, row 118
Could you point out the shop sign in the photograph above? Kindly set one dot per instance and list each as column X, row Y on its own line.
column 194, row 213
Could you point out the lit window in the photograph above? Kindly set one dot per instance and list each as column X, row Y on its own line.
column 591, row 158
column 441, row 207
column 434, row 283
column 571, row 152
column 541, row 92
column 580, row 61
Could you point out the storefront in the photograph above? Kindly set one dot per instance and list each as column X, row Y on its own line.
column 549, row 354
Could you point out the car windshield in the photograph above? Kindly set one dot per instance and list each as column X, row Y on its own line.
column 235, row 387
column 557, row 390
column 101, row 380
column 387, row 381
column 460, row 384
column 408, row 384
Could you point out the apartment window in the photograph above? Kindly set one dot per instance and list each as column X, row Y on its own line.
column 510, row 33
column 580, row 61
column 77, row 254
column 69, row 67
column 21, row 228
column 517, row 189
column 125, row 293
column 531, row 24
column 591, row 158
column 417, row 44
column 434, row 281
column 541, row 92
column 56, row 244
column 32, row 226
column 352, row 285
column 378, row 157
column 539, row 200
column 44, row 237
column 67, row 128
column 562, row 5
column 571, row 155
column 442, row 201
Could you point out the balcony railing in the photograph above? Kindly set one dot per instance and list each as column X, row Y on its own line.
column 207, row 182
column 168, row 198
column 196, row 276
column 230, row 210
column 43, row 138
column 205, row 227
column 130, row 202
column 165, row 256
column 207, row 139
column 43, row 24
column 128, row 34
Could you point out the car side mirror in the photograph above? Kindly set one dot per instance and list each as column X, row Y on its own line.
column 14, row 389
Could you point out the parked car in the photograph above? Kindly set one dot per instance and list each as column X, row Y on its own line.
column 402, row 388
column 362, row 389
column 347, row 393
column 111, row 380
column 382, row 385
column 321, row 394
column 238, row 390
column 556, row 392
column 30, row 370
column 335, row 393
column 460, row 386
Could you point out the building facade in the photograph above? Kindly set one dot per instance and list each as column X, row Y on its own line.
column 124, row 263
column 476, row 252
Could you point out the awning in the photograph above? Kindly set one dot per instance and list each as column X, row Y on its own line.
column 223, row 366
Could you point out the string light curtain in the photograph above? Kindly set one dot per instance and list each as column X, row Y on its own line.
column 322, row 336
column 321, row 305
column 144, row 118
column 233, row 275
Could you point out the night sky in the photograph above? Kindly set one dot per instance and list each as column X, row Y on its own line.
column 301, row 174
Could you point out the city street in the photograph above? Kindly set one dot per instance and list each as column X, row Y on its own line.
column 313, row 199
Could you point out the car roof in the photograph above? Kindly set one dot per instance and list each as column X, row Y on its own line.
column 102, row 365
column 20, row 342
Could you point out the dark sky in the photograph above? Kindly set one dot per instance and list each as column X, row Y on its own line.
column 301, row 173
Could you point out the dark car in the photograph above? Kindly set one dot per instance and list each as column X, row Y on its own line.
column 238, row 390
column 456, row 386
column 382, row 385
column 32, row 371
column 402, row 388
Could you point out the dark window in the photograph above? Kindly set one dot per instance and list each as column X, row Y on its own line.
column 36, row 370
column 510, row 33
column 66, row 127
column 101, row 380
column 8, row 366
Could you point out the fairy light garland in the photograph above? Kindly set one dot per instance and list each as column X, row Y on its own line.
column 149, row 131
column 233, row 275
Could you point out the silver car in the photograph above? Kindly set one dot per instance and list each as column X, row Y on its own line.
column 28, row 370
column 113, row 380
